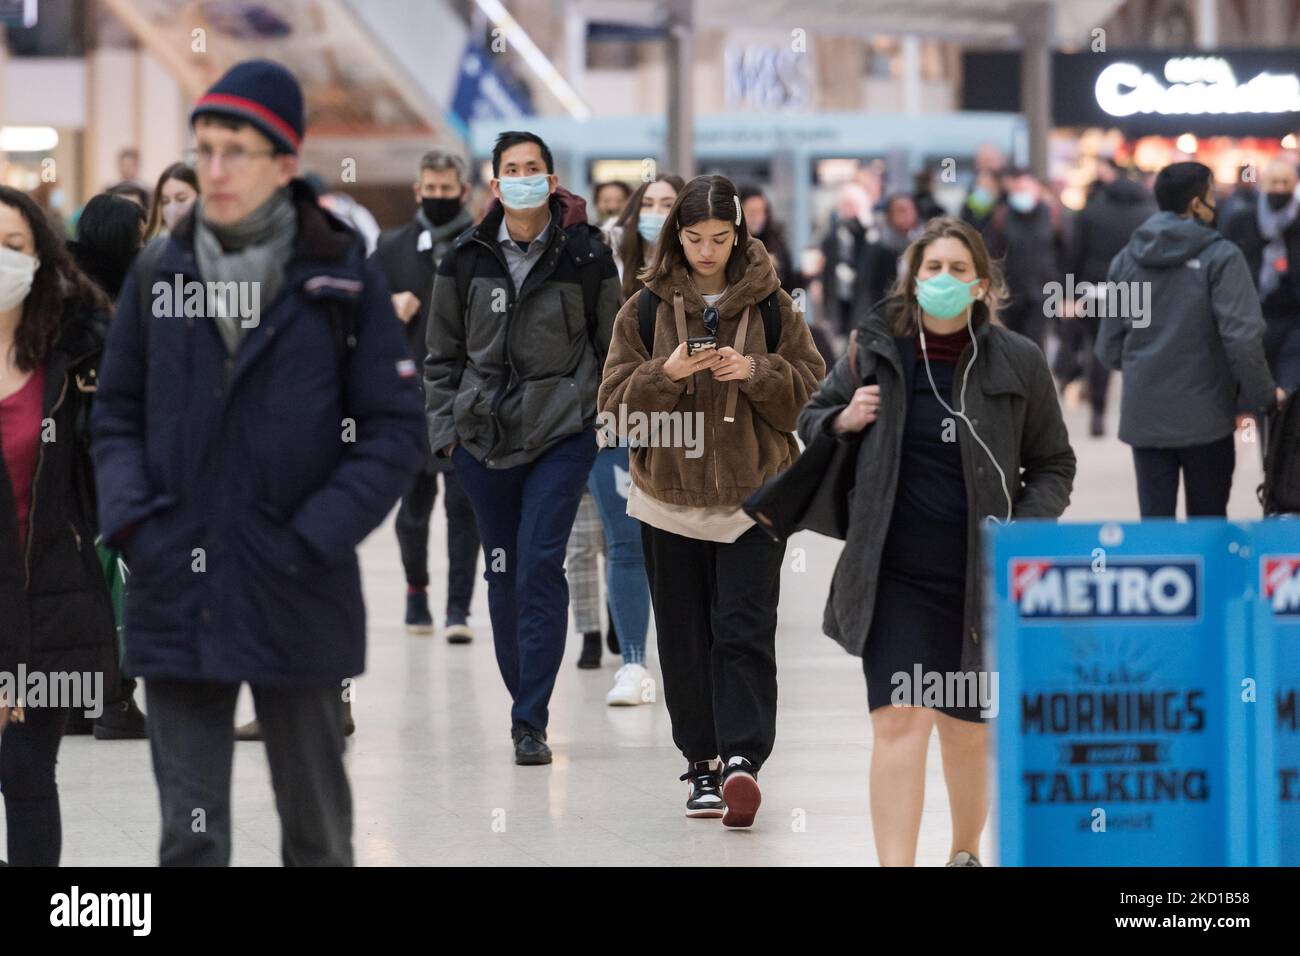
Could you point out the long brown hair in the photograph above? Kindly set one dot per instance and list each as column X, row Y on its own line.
column 178, row 171
column 631, row 247
column 57, row 283
column 703, row 198
column 901, row 306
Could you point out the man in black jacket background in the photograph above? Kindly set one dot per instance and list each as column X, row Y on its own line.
column 1116, row 206
column 409, row 257
column 1267, row 229
column 1029, row 231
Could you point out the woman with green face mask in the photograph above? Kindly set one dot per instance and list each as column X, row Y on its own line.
column 957, row 424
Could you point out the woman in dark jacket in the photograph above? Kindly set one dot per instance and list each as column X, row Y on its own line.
column 110, row 233
column 958, row 424
column 57, row 619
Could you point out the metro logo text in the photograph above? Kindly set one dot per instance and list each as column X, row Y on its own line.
column 1054, row 589
column 1279, row 583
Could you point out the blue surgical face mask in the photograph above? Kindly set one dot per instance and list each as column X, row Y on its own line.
column 648, row 224
column 944, row 296
column 525, row 192
column 1022, row 201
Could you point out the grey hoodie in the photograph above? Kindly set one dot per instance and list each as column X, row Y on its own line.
column 1200, row 337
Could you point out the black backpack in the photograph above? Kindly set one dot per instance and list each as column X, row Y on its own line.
column 648, row 306
column 1280, row 491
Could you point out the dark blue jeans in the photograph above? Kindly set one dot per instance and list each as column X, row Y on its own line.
column 524, row 515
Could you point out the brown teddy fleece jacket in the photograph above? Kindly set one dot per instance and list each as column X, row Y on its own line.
column 737, row 456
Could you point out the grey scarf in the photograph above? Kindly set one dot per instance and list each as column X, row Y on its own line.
column 442, row 235
column 254, row 250
column 1272, row 225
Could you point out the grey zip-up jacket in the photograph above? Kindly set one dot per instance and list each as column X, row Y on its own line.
column 511, row 372
column 1201, row 339
column 1011, row 401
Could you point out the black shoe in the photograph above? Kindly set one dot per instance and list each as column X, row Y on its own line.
column 704, row 789
column 611, row 636
column 121, row 721
column 1098, row 428
column 458, row 630
column 740, row 792
column 418, row 618
column 590, row 656
column 78, row 725
column 530, row 747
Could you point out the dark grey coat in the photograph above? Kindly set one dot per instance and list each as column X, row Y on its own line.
column 1202, row 339
column 511, row 372
column 1011, row 401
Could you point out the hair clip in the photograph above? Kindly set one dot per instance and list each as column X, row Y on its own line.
column 737, row 199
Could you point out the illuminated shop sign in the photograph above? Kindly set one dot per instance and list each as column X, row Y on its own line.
column 1238, row 92
column 1191, row 85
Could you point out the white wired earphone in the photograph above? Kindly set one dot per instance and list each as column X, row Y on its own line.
column 925, row 355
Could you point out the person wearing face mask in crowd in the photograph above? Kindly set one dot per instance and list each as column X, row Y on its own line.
column 55, row 612
column 957, row 423
column 610, row 199
column 1268, row 233
column 1029, row 234
column 173, row 198
column 632, row 234
column 1185, row 359
column 986, row 190
column 715, row 576
column 985, row 195
column 409, row 256
column 633, row 237
column 523, row 305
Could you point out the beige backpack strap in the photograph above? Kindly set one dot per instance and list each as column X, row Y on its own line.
column 733, row 388
column 679, row 315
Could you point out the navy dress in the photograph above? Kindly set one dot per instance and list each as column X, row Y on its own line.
column 921, row 591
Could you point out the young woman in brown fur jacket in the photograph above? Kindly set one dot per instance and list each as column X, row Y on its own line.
column 731, row 410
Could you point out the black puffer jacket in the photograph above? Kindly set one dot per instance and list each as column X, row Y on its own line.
column 55, row 613
column 1106, row 225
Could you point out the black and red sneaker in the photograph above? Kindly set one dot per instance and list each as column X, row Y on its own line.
column 740, row 793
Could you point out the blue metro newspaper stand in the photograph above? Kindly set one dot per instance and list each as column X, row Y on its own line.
column 1277, row 560
column 1125, row 656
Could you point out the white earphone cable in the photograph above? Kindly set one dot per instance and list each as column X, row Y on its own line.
column 925, row 355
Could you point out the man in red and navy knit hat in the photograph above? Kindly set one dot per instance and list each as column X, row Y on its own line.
column 242, row 454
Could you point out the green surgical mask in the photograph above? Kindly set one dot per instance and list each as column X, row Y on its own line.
column 944, row 296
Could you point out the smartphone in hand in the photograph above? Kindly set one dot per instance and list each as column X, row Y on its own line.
column 699, row 343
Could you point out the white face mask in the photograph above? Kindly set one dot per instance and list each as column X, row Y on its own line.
column 17, row 270
column 174, row 212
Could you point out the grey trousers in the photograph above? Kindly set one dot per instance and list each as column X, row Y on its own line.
column 191, row 737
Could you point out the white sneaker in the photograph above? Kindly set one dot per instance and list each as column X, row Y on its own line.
column 632, row 685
